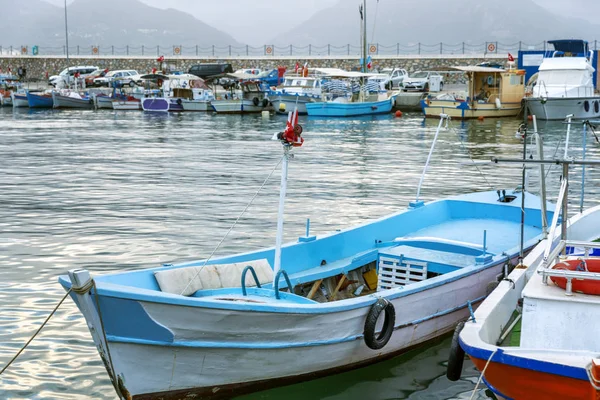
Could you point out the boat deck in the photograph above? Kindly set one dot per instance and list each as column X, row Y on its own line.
column 501, row 234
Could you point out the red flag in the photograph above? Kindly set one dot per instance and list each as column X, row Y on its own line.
column 153, row 70
column 297, row 67
column 160, row 59
column 511, row 58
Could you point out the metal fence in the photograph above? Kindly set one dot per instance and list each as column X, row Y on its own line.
column 270, row 50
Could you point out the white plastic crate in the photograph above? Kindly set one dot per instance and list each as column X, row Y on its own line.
column 397, row 271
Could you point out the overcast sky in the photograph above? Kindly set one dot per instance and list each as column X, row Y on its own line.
column 253, row 22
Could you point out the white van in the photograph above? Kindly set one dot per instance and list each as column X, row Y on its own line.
column 67, row 73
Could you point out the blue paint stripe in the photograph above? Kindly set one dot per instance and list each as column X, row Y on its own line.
column 230, row 345
column 495, row 391
column 526, row 363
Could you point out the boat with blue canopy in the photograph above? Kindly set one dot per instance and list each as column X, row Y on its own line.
column 223, row 326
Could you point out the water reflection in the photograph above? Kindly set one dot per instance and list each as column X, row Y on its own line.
column 126, row 190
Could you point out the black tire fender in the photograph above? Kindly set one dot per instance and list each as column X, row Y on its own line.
column 265, row 103
column 372, row 340
column 456, row 358
column 255, row 101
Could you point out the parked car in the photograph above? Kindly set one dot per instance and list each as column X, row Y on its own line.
column 419, row 82
column 89, row 80
column 396, row 77
column 206, row 71
column 67, row 73
column 123, row 77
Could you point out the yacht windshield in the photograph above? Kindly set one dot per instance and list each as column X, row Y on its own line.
column 562, row 78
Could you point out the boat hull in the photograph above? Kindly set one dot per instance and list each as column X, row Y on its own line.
column 409, row 101
column 19, row 100
column 39, row 101
column 512, row 382
column 213, row 357
column 161, row 104
column 196, row 105
column 462, row 110
column 286, row 103
column 558, row 109
column 332, row 109
column 126, row 105
column 104, row 102
column 61, row 101
column 5, row 101
column 237, row 107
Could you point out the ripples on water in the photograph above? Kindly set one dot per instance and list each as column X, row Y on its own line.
column 112, row 191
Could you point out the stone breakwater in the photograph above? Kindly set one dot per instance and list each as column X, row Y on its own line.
column 39, row 68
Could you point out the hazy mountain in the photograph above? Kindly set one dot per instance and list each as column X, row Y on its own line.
column 106, row 22
column 433, row 21
column 584, row 9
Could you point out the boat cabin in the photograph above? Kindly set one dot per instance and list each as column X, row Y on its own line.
column 492, row 85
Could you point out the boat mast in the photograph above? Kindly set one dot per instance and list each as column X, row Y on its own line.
column 67, row 39
column 364, row 37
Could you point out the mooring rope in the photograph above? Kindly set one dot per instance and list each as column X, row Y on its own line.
column 36, row 332
column 482, row 373
column 232, row 226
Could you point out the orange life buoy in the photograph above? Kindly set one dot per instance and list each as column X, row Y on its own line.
column 585, row 286
column 95, row 50
column 269, row 50
column 491, row 47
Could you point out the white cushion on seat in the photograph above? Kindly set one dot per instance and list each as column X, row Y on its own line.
column 214, row 276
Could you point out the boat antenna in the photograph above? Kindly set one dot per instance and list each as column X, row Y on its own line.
column 417, row 203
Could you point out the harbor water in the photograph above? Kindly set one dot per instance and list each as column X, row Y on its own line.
column 112, row 191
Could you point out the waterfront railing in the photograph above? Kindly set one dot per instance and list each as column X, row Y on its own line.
column 272, row 50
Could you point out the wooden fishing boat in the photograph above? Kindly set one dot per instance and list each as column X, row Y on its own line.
column 130, row 103
column 203, row 329
column 492, row 92
column 40, row 100
column 69, row 99
column 252, row 98
column 19, row 99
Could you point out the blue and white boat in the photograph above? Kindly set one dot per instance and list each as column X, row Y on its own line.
column 40, row 100
column 310, row 307
column 19, row 98
column 296, row 91
column 350, row 94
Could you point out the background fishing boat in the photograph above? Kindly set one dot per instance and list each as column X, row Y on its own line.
column 40, row 100
column 71, row 99
column 130, row 103
column 250, row 98
column 492, row 92
column 19, row 98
